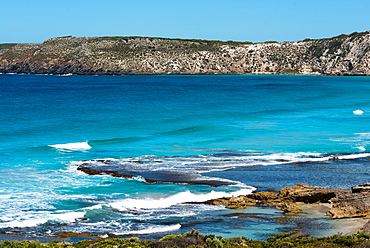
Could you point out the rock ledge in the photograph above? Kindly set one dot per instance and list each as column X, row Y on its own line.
column 345, row 203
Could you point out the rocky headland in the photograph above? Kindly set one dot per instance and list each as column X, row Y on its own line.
column 340, row 55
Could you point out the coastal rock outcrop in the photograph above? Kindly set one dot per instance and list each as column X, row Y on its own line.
column 340, row 55
column 353, row 204
column 366, row 227
column 310, row 194
column 234, row 202
column 350, row 205
column 344, row 202
column 362, row 188
column 290, row 208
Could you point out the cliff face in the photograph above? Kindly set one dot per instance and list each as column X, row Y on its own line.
column 341, row 55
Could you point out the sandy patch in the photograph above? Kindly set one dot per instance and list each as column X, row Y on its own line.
column 344, row 226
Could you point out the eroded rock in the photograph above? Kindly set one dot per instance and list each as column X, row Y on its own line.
column 237, row 202
column 366, row 227
column 289, row 208
column 350, row 205
column 362, row 188
column 344, row 203
column 310, row 194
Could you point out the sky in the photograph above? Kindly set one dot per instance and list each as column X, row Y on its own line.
column 33, row 21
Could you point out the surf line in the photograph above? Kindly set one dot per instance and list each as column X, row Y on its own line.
column 78, row 146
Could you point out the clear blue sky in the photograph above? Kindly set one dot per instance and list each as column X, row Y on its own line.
column 239, row 20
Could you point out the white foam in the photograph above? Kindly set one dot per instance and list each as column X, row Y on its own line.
column 41, row 218
column 209, row 163
column 358, row 112
column 182, row 197
column 354, row 156
column 361, row 148
column 153, row 229
column 67, row 216
column 138, row 178
column 98, row 206
column 72, row 146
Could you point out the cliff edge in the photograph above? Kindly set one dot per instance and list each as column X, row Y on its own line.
column 340, row 55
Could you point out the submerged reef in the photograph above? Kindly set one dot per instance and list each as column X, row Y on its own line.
column 340, row 55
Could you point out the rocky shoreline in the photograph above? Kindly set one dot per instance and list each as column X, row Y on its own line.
column 346, row 55
column 337, row 203
column 344, row 203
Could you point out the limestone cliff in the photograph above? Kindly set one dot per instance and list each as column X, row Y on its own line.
column 341, row 55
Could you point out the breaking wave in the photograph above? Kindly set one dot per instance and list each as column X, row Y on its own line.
column 152, row 229
column 182, row 197
column 211, row 162
column 34, row 219
column 79, row 146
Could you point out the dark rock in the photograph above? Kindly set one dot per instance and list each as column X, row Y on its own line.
column 362, row 188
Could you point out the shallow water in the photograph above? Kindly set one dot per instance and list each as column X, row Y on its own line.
column 240, row 133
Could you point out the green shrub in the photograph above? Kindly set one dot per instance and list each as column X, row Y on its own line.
column 7, row 45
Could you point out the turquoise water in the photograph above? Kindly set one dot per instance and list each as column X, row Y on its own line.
column 238, row 133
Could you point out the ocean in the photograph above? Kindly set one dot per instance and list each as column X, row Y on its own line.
column 182, row 140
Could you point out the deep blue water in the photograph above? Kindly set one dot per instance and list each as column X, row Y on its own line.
column 241, row 133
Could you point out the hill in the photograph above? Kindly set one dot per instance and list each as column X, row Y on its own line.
column 340, row 55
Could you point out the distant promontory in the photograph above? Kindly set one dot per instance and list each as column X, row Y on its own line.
column 340, row 55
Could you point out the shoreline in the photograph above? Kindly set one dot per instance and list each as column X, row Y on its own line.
column 346, row 206
column 305, row 214
column 187, row 74
column 193, row 238
column 347, row 226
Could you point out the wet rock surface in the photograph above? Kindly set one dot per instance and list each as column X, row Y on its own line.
column 116, row 169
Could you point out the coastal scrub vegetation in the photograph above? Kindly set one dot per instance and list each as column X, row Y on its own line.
column 194, row 239
column 7, row 45
column 132, row 55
